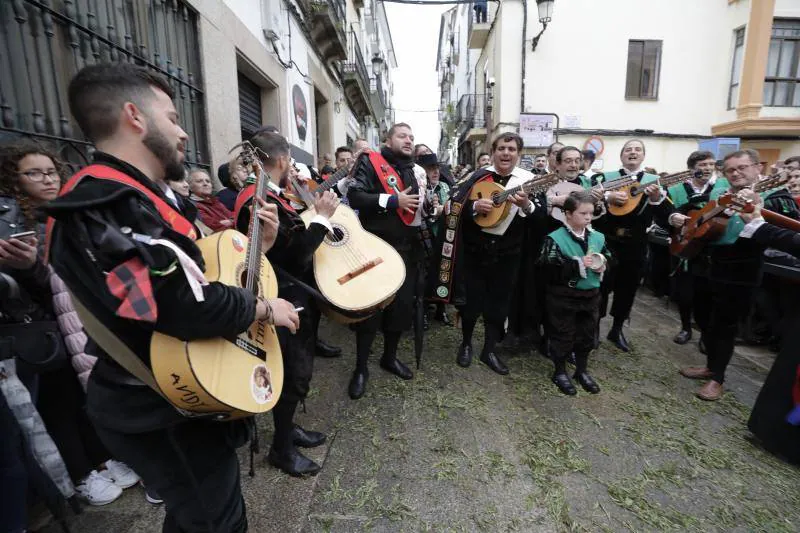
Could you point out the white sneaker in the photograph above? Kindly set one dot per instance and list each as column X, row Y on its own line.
column 95, row 489
column 120, row 474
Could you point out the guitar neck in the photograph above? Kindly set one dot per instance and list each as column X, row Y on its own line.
column 254, row 235
column 674, row 179
column 532, row 186
column 780, row 220
column 333, row 179
column 615, row 184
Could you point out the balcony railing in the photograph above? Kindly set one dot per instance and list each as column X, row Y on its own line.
column 470, row 112
column 356, row 78
column 327, row 26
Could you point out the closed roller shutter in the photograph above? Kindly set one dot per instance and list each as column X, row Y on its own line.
column 249, row 106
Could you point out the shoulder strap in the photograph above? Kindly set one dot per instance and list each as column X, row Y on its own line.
column 244, row 196
column 391, row 182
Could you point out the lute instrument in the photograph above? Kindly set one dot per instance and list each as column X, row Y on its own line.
column 565, row 187
column 356, row 272
column 636, row 190
column 500, row 197
column 709, row 223
column 313, row 187
column 232, row 377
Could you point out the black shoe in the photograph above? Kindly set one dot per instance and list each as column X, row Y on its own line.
column 397, row 368
column 701, row 346
column 494, row 362
column 293, row 462
column 324, row 349
column 571, row 359
column 443, row 318
column 464, row 357
column 618, row 339
column 358, row 385
column 586, row 381
column 564, row 384
column 307, row 439
column 682, row 337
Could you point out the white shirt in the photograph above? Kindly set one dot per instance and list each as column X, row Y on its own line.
column 167, row 190
column 518, row 177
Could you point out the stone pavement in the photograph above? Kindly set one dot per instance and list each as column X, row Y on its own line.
column 467, row 450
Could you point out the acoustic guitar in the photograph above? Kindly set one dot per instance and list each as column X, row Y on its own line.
column 636, row 191
column 356, row 272
column 313, row 187
column 238, row 376
column 500, row 196
column 709, row 223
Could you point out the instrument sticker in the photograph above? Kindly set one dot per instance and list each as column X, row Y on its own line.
column 456, row 208
column 447, row 249
column 261, row 384
column 450, row 235
column 238, row 245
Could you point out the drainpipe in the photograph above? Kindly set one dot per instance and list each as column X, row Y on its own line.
column 524, row 35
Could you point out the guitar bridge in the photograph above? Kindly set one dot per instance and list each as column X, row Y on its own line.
column 360, row 270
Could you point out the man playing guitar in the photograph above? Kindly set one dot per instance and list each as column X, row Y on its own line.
column 691, row 276
column 101, row 247
column 386, row 191
column 492, row 255
column 735, row 271
column 627, row 239
column 292, row 252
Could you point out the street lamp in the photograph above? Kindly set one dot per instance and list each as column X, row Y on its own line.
column 377, row 64
column 545, row 8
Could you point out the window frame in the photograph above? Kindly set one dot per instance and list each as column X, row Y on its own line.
column 794, row 81
column 657, row 70
column 737, row 33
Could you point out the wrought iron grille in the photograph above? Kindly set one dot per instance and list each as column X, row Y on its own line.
column 43, row 43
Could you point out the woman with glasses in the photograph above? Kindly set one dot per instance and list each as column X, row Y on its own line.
column 43, row 334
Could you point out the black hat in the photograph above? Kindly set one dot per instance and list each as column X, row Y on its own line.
column 427, row 160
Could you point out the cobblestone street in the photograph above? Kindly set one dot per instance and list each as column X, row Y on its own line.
column 467, row 450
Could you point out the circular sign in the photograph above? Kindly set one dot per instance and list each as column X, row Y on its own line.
column 595, row 144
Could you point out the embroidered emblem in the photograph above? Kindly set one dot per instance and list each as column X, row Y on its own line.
column 442, row 292
column 456, row 209
column 450, row 235
column 447, row 249
column 444, row 277
column 452, row 222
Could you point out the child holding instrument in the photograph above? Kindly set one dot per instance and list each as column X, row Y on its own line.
column 574, row 258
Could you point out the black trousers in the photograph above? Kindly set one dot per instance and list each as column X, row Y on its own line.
column 489, row 282
column 572, row 320
column 62, row 404
column 194, row 467
column 622, row 279
column 693, row 294
column 298, row 353
column 729, row 304
column 397, row 316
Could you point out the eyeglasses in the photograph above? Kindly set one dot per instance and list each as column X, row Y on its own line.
column 37, row 175
column 740, row 169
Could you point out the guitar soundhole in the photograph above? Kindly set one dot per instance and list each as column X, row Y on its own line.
column 337, row 237
column 243, row 281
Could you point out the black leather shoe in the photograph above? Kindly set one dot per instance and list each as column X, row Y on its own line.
column 324, row 349
column 618, row 339
column 564, row 384
column 464, row 357
column 586, row 381
column 701, row 345
column 682, row 337
column 397, row 368
column 358, row 385
column 293, row 463
column 494, row 362
column 307, row 439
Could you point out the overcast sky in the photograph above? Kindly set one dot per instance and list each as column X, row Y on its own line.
column 415, row 34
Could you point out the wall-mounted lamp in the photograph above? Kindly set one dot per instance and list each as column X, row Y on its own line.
column 545, row 8
column 377, row 64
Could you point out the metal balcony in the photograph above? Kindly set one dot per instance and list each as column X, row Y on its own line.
column 355, row 78
column 471, row 117
column 327, row 26
column 479, row 31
